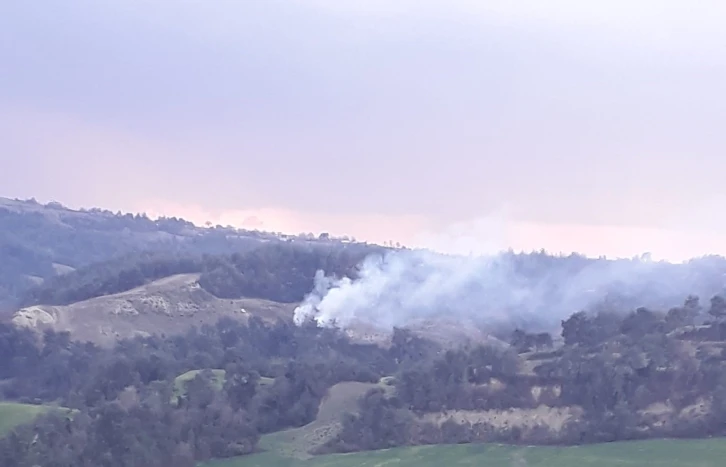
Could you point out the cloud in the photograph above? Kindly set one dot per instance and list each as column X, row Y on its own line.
column 670, row 25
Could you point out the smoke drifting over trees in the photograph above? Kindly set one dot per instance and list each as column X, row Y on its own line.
column 534, row 291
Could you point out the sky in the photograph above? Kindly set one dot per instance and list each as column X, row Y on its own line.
column 466, row 124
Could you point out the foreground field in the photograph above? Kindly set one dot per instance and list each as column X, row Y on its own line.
column 659, row 453
column 12, row 415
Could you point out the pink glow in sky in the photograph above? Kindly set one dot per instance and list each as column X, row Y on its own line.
column 596, row 126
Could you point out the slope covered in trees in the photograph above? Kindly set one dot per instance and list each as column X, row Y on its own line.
column 125, row 396
column 620, row 375
column 109, row 252
column 278, row 271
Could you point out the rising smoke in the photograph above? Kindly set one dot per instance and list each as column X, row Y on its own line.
column 534, row 291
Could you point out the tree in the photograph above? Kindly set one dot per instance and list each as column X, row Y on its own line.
column 641, row 322
column 240, row 385
column 582, row 329
column 718, row 307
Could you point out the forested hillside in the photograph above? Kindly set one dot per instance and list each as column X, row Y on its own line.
column 143, row 294
column 105, row 252
column 274, row 271
column 617, row 376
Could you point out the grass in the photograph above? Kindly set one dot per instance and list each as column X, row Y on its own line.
column 656, row 453
column 13, row 414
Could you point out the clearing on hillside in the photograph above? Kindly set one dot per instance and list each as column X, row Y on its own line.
column 13, row 414
column 659, row 453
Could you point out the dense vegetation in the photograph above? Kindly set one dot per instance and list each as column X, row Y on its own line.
column 124, row 396
column 613, row 366
column 279, row 272
column 273, row 271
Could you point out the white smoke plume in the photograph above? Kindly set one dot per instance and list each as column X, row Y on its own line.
column 534, row 291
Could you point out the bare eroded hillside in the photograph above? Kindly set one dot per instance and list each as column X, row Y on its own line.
column 170, row 305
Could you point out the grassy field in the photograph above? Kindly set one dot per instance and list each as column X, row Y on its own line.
column 13, row 414
column 656, row 453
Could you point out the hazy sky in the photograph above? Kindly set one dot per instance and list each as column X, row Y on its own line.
column 595, row 124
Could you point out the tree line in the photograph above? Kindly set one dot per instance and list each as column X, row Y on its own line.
column 274, row 271
column 613, row 365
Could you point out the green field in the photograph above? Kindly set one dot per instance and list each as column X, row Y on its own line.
column 656, row 453
column 13, row 414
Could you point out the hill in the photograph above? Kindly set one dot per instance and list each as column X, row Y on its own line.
column 416, row 363
column 661, row 453
column 613, row 377
column 170, row 305
column 39, row 242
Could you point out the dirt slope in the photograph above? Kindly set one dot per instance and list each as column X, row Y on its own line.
column 170, row 305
